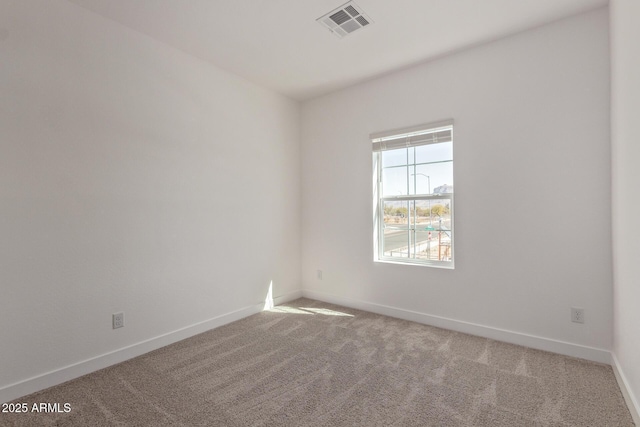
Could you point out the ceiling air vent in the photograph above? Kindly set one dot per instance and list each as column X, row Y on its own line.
column 345, row 20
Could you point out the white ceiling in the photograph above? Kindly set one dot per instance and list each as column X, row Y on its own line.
column 278, row 44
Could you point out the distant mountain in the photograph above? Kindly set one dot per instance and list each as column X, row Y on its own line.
column 443, row 189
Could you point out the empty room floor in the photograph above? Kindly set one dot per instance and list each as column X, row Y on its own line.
column 317, row 364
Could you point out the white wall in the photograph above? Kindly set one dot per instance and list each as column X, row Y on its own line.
column 625, row 108
column 532, row 186
column 134, row 178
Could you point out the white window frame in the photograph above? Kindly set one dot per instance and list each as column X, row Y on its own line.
column 414, row 136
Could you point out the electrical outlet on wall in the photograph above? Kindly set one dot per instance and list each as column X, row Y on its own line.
column 118, row 320
column 577, row 315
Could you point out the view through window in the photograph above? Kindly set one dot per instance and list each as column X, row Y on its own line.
column 414, row 196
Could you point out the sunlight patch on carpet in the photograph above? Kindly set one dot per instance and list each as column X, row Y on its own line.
column 326, row 312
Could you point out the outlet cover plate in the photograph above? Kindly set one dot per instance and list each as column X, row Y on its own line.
column 118, row 320
column 577, row 315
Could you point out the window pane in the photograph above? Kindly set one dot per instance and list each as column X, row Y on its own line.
column 422, row 235
column 423, row 214
column 436, row 178
column 394, row 181
column 394, row 157
column 426, row 245
column 396, row 215
column 434, row 152
column 395, row 241
column 432, row 236
column 441, row 219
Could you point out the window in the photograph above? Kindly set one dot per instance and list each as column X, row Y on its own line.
column 413, row 195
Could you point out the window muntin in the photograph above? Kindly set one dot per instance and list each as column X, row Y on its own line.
column 414, row 192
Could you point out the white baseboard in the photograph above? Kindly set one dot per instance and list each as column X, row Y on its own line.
column 540, row 343
column 75, row 370
column 287, row 297
column 629, row 397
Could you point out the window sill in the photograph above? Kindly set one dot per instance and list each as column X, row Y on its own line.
column 442, row 264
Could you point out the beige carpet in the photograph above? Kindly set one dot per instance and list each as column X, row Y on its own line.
column 309, row 363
